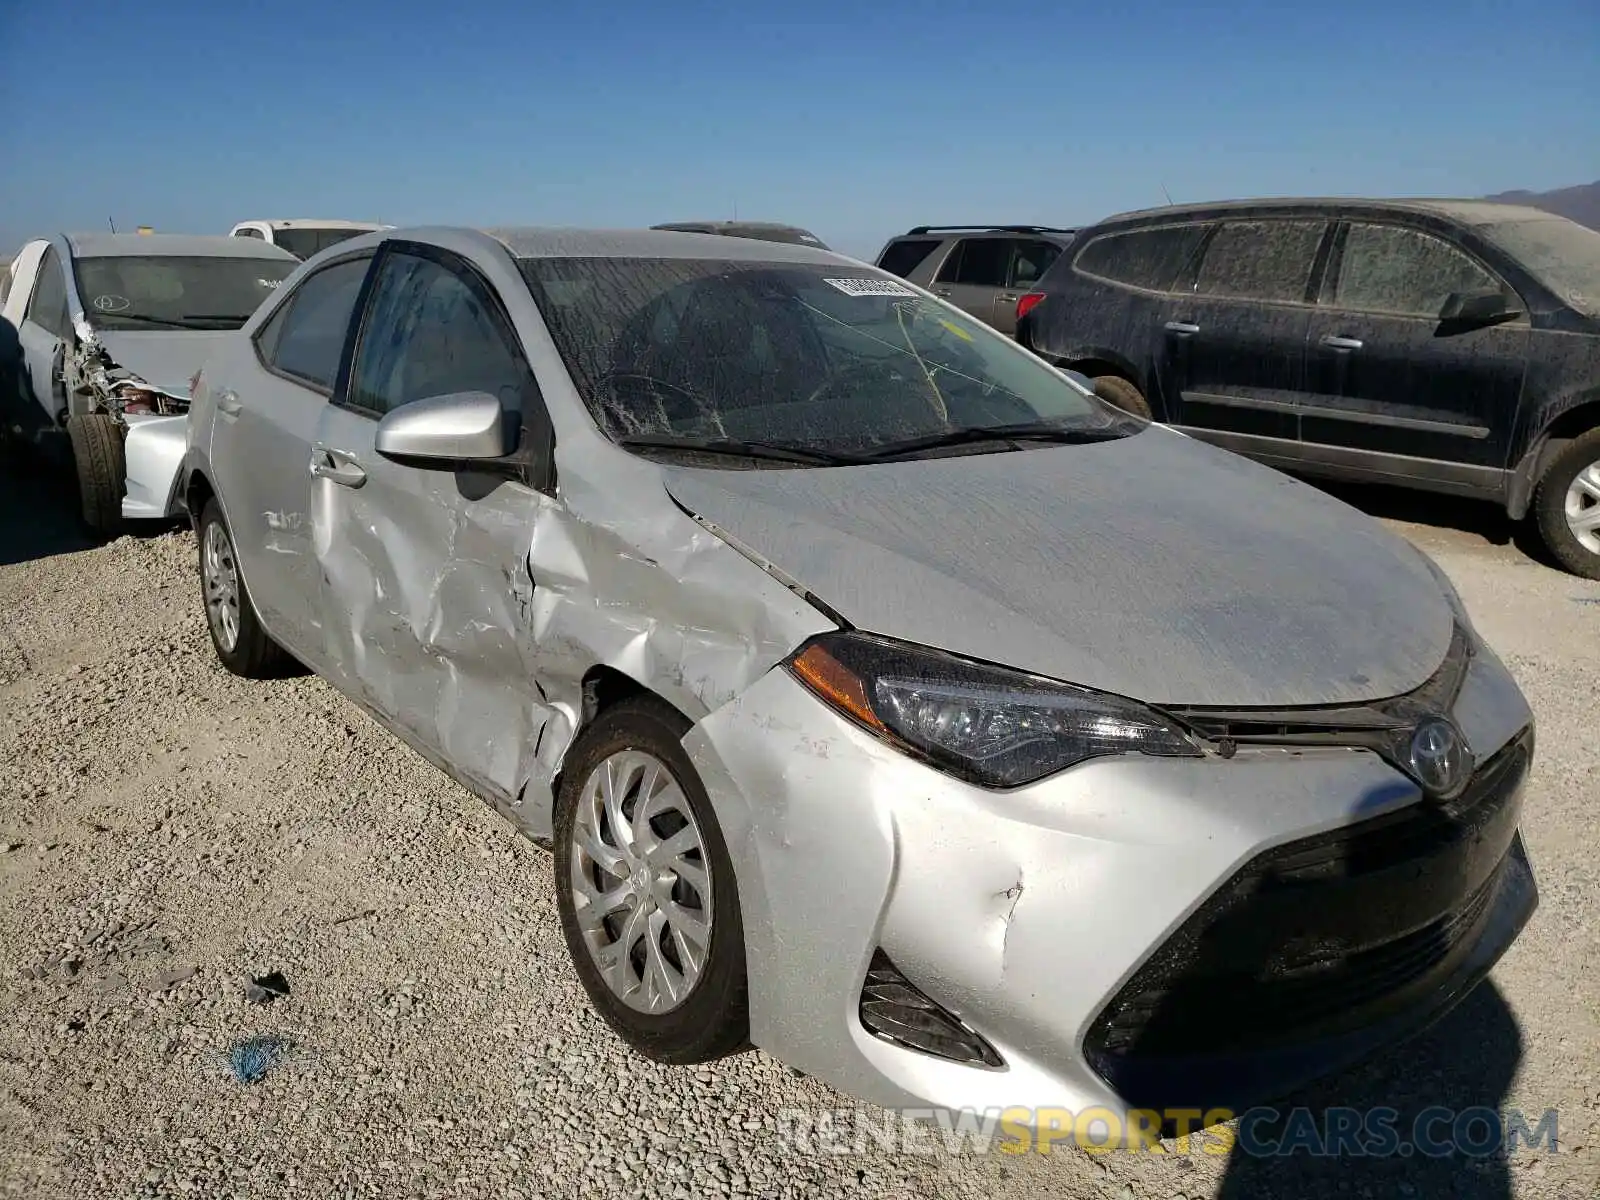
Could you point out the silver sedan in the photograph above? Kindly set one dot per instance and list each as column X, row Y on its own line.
column 888, row 701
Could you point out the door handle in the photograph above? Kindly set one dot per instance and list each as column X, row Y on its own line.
column 1184, row 328
column 1007, row 298
column 943, row 292
column 1340, row 343
column 228, row 404
column 337, row 467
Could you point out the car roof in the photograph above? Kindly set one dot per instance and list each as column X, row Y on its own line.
column 194, row 245
column 536, row 242
column 1464, row 210
column 309, row 222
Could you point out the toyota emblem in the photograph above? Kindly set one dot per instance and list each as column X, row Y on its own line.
column 1440, row 758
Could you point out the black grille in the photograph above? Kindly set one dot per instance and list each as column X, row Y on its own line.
column 1320, row 937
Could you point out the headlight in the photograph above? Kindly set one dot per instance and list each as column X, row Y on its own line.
column 989, row 725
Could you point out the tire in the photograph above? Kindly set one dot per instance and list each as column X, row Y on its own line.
column 249, row 651
column 97, row 457
column 1119, row 393
column 711, row 1020
column 1560, row 486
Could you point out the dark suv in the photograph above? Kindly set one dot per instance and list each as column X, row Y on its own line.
column 983, row 269
column 1449, row 345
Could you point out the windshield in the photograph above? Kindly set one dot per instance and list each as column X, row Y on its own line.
column 176, row 292
column 305, row 240
column 833, row 357
column 1562, row 254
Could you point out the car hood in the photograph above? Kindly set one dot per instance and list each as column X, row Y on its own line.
column 1155, row 567
column 168, row 359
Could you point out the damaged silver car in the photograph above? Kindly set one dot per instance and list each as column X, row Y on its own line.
column 112, row 328
column 888, row 701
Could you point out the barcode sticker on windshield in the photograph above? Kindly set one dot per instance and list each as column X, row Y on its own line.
column 871, row 287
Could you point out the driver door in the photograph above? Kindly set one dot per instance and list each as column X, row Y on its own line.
column 425, row 568
column 43, row 339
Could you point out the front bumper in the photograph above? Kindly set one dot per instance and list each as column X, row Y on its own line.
column 1064, row 921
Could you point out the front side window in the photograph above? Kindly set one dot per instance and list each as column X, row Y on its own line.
column 1392, row 269
column 1143, row 258
column 978, row 262
column 826, row 357
column 305, row 337
column 905, row 256
column 429, row 332
column 1267, row 260
column 48, row 306
column 169, row 291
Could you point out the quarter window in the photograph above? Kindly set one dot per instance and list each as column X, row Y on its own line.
column 250, row 233
column 905, row 256
column 305, row 337
column 1391, row 269
column 48, row 307
column 431, row 332
column 1031, row 260
column 1261, row 260
column 1142, row 258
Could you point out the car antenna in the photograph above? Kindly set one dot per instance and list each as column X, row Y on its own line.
column 1167, row 194
column 113, row 223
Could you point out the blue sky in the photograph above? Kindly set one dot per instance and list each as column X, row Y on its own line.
column 853, row 119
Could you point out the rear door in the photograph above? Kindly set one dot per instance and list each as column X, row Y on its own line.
column 1234, row 339
column 974, row 274
column 1384, row 376
column 269, row 396
column 421, row 565
column 1030, row 258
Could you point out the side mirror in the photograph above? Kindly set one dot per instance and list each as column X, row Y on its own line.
column 454, row 428
column 1486, row 307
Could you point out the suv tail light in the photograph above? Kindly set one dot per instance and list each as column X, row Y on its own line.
column 1028, row 303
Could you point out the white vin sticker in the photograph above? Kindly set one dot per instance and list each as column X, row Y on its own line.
column 871, row 287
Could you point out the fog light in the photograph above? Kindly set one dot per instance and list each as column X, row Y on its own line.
column 894, row 1009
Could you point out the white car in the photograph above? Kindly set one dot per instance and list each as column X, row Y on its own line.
column 303, row 238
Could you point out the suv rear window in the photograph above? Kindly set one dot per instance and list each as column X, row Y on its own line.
column 903, row 257
column 1142, row 258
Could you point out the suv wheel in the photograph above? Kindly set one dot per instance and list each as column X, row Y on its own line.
column 1567, row 506
column 1119, row 393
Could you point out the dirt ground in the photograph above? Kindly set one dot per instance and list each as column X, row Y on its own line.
column 169, row 832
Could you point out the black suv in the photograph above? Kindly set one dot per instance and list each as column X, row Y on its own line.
column 1449, row 345
column 983, row 269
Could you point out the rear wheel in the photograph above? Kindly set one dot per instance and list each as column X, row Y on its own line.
column 1119, row 393
column 1567, row 506
column 241, row 643
column 97, row 456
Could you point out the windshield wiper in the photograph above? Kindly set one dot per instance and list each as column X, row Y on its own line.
column 736, row 448
column 235, row 317
column 1027, row 431
column 163, row 322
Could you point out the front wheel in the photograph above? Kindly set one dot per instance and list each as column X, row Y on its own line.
column 1566, row 506
column 98, row 458
column 646, row 891
column 242, row 645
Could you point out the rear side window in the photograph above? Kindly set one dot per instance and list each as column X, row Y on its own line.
column 978, row 262
column 305, row 338
column 1261, row 260
column 1030, row 260
column 1142, row 258
column 48, row 307
column 1390, row 269
column 905, row 256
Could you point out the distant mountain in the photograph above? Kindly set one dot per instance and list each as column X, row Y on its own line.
column 1580, row 203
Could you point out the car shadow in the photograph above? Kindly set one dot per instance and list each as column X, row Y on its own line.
column 1465, row 1062
column 1479, row 518
column 38, row 508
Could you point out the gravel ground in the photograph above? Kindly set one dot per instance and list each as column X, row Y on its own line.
column 169, row 832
